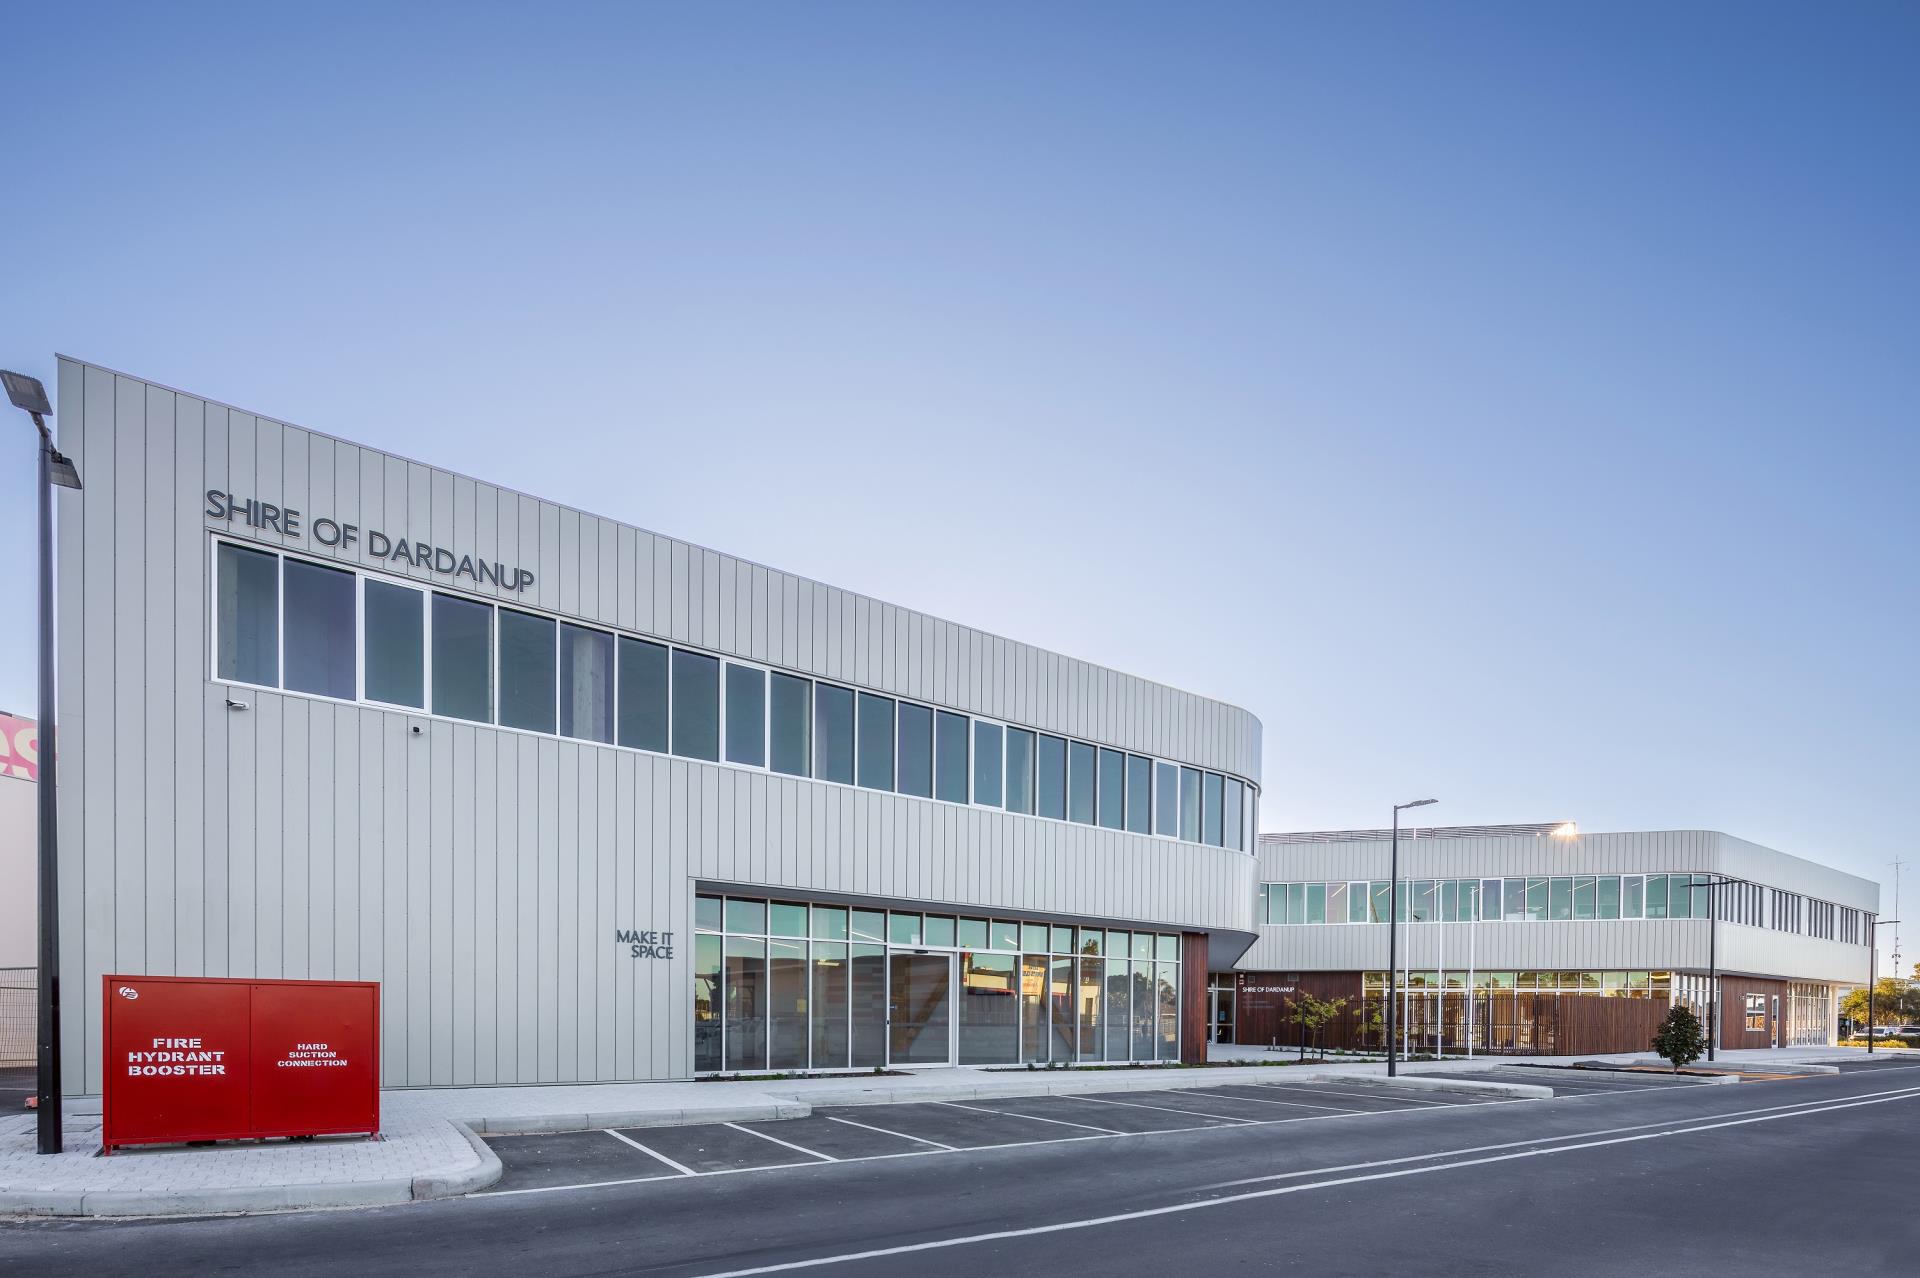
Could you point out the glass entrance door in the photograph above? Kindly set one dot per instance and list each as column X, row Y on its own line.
column 919, row 1008
column 1222, row 1020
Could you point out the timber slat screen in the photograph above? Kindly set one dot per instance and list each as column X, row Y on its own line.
column 1505, row 1021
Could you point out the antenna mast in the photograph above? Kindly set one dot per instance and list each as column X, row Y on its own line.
column 1899, row 974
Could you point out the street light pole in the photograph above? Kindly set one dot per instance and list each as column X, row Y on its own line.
column 1713, row 976
column 1713, row 958
column 1873, row 971
column 1393, row 932
column 28, row 395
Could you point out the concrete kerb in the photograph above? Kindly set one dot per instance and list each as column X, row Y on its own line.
column 1755, row 1067
column 1573, row 1073
column 1440, row 1082
column 482, row 1174
column 767, row 1106
column 538, row 1124
column 1194, row 1080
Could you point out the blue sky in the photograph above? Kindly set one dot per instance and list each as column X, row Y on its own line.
column 1512, row 404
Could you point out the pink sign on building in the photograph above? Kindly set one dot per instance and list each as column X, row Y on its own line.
column 19, row 747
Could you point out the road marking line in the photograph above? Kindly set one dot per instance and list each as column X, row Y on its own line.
column 889, row 1132
column 682, row 1168
column 1538, row 1140
column 718, row 1171
column 1383, row 1094
column 981, row 1109
column 1275, row 1192
column 938, row 1148
column 798, row 1149
column 1262, row 1100
column 1168, row 1109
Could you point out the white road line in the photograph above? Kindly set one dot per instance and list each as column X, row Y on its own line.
column 1184, row 1207
column 798, row 1149
column 888, row 1132
column 682, row 1168
column 1538, row 1140
column 1325, row 1091
column 935, row 1147
column 1262, row 1100
column 981, row 1109
column 1168, row 1109
column 718, row 1171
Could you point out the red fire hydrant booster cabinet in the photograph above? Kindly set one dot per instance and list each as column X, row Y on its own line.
column 191, row 1058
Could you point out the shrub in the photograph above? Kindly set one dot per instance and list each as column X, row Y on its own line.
column 1679, row 1039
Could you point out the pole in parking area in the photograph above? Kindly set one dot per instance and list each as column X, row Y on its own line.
column 1713, row 976
column 1393, row 928
column 28, row 395
column 1713, row 956
column 1873, row 971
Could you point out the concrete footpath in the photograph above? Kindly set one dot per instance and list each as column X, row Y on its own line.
column 431, row 1144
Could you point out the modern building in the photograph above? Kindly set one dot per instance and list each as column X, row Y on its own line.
column 592, row 803
column 19, row 889
column 1538, row 939
column 19, row 845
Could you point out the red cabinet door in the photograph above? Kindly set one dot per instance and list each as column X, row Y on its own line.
column 315, row 1058
column 176, row 1060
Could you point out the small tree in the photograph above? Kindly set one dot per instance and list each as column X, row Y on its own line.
column 1679, row 1039
column 1310, row 1014
column 1895, row 1002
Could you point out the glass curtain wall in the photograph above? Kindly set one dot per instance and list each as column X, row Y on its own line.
column 784, row 985
column 1548, row 899
column 1497, row 1011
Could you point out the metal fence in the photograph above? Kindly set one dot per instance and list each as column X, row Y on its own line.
column 19, row 1015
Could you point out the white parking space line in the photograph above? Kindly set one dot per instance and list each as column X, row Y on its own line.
column 798, row 1149
column 934, row 1147
column 887, row 1131
column 1168, row 1109
column 1002, row 1235
column 1262, row 1100
column 1327, row 1091
column 682, row 1168
column 980, row 1109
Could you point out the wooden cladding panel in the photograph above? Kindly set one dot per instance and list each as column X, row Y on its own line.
column 1733, row 1011
column 1193, row 998
column 1536, row 1024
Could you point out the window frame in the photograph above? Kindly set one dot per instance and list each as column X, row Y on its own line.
column 427, row 590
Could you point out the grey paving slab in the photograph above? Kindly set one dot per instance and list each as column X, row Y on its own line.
column 569, row 1158
column 716, row 1147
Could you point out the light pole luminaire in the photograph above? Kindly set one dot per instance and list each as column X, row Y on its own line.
column 30, row 397
column 1393, row 931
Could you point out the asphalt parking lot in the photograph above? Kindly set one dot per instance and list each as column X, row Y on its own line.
column 1615, row 1179
column 563, row 1160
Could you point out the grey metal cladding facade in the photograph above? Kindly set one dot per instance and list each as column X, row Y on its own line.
column 1568, row 944
column 480, row 873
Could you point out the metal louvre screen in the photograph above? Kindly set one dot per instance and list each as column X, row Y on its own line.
column 19, row 1012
